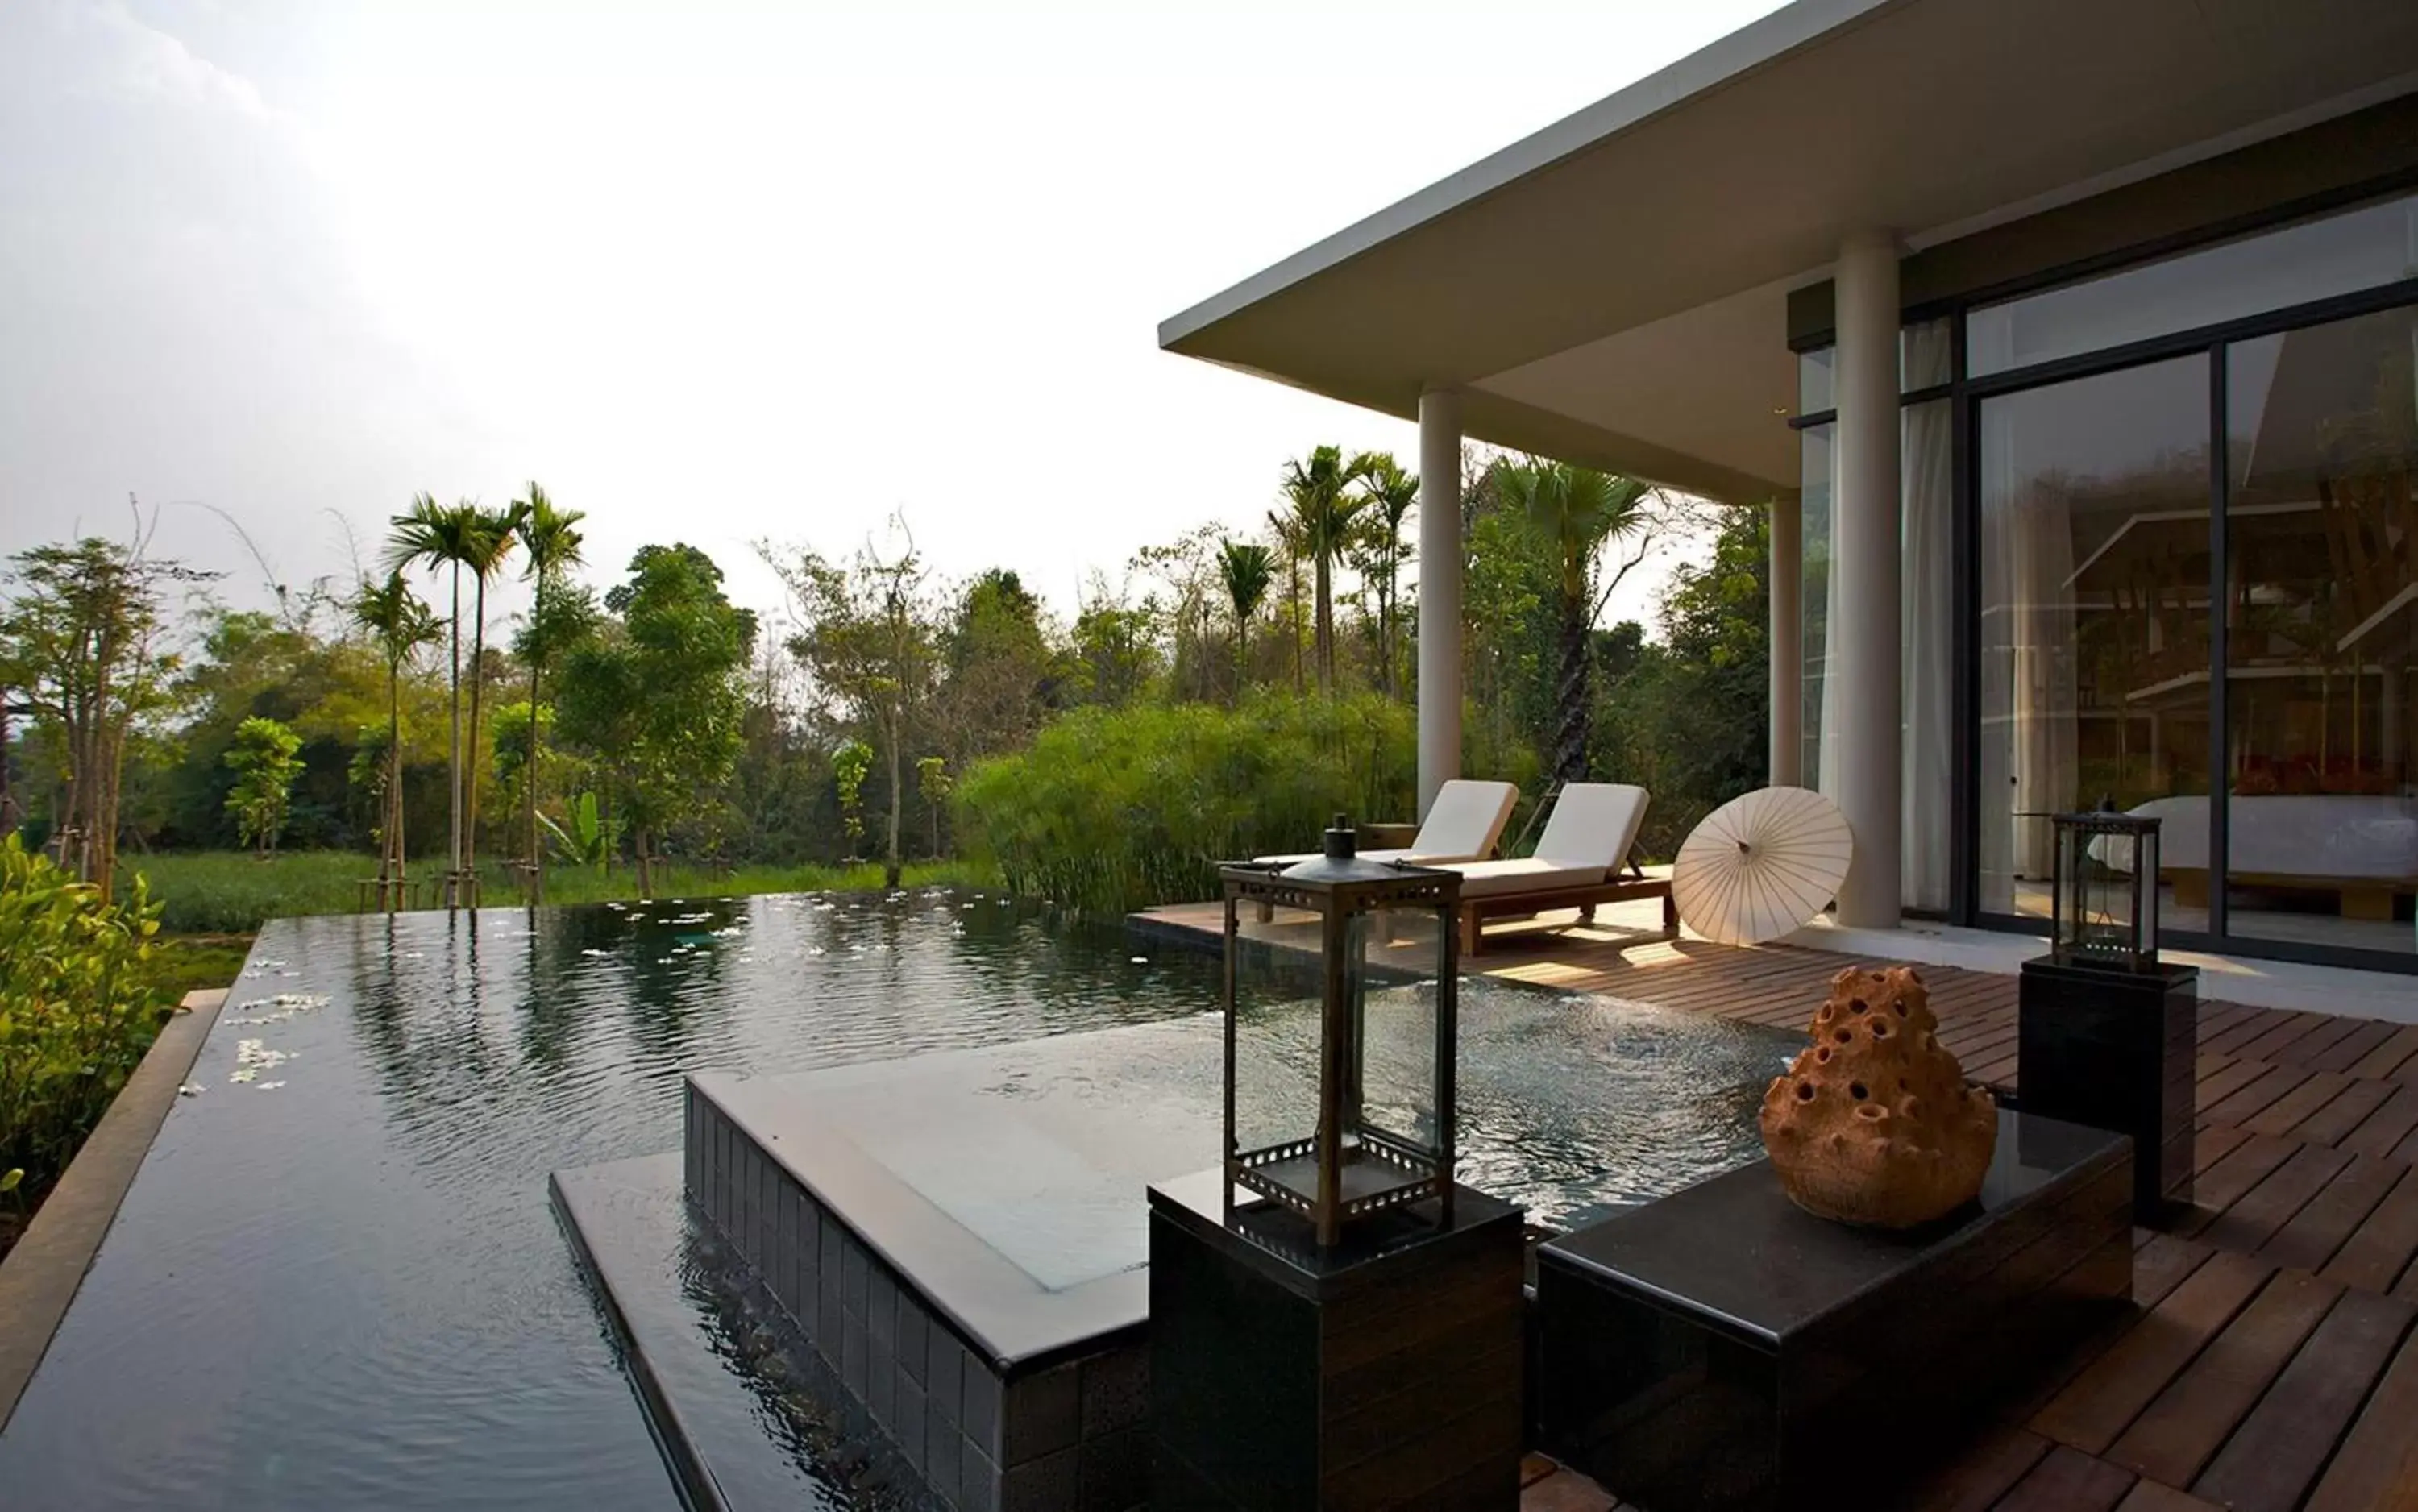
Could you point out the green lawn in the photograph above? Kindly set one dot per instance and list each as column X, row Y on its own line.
column 215, row 901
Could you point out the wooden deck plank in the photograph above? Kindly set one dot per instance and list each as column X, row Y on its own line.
column 2334, row 1122
column 2284, row 1115
column 2149, row 1496
column 2229, row 1179
column 2309, row 1048
column 2216, row 1018
column 2318, row 1230
column 2268, row 1024
column 2098, row 1405
column 2249, row 1223
column 2390, row 1056
column 2161, row 1264
column 2377, row 1468
column 2272, row 1460
column 2376, row 1254
column 2381, row 1131
column 2354, row 1046
column 2179, row 1433
column 2208, row 1146
column 2066, row 1481
column 2255, row 1098
column 2225, row 1081
column 1975, row 1479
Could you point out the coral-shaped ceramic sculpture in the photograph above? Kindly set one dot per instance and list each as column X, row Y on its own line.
column 1874, row 1124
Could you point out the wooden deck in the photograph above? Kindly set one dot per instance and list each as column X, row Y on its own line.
column 2273, row 1362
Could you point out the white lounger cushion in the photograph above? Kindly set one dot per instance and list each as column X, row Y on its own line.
column 1593, row 826
column 1529, row 874
column 1467, row 820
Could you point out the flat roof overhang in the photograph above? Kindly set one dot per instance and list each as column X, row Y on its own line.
column 1612, row 289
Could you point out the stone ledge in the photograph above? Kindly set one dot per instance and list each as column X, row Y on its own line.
column 41, row 1275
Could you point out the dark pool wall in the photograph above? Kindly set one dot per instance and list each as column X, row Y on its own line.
column 985, row 1435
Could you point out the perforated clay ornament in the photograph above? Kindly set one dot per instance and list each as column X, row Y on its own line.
column 1874, row 1124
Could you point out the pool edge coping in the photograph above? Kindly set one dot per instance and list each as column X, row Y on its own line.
column 44, row 1273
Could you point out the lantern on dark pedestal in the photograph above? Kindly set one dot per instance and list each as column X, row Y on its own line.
column 1375, row 1130
column 2107, row 1034
column 2106, row 894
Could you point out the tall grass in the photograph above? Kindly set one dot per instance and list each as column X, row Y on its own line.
column 1116, row 809
column 218, row 891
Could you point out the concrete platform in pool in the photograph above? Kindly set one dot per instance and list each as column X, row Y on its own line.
column 959, row 1239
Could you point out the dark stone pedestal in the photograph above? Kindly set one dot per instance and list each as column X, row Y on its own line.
column 1724, row 1349
column 1384, row 1372
column 2115, row 1050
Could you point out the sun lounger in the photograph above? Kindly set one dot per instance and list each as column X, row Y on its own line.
column 1463, row 824
column 1578, row 862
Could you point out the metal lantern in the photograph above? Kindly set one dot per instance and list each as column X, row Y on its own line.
column 2104, row 899
column 1376, row 1131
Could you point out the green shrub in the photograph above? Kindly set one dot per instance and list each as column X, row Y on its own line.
column 79, row 1004
column 1117, row 809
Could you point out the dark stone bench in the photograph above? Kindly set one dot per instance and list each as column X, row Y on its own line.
column 1723, row 1347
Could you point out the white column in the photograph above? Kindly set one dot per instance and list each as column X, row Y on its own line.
column 1787, row 643
column 1863, row 641
column 1440, row 566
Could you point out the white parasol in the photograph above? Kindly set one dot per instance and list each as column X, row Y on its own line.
column 1761, row 865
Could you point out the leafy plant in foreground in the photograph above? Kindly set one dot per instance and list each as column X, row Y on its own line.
column 79, row 1004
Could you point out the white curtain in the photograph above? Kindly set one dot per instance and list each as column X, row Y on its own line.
column 2030, row 744
column 1929, row 605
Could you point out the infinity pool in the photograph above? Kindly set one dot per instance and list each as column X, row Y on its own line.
column 336, row 1281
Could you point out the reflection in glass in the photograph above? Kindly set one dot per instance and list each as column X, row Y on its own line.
column 2094, row 536
column 2321, row 614
column 1815, row 445
column 1924, row 360
column 1815, row 379
column 2362, row 248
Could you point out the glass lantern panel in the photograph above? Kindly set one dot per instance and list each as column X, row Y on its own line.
column 1277, row 986
column 2107, row 927
column 1400, row 1074
column 2073, row 904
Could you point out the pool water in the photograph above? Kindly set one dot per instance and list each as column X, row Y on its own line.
column 336, row 1281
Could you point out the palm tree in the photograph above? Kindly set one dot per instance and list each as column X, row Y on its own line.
column 1247, row 568
column 1575, row 512
column 487, row 547
column 1287, row 534
column 439, row 537
column 398, row 625
column 1324, row 511
column 551, row 538
column 1389, row 492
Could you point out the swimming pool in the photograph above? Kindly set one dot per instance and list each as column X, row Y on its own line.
column 336, row 1281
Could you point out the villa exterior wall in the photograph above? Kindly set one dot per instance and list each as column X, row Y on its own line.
column 2155, row 532
column 2352, row 157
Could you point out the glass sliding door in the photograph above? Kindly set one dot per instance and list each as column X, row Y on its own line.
column 2322, row 617
column 2094, row 536
column 1813, row 601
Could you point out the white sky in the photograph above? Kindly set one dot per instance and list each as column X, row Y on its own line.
column 711, row 271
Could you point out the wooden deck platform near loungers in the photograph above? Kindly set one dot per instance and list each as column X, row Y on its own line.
column 2273, row 1365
